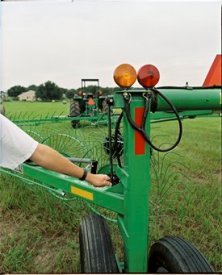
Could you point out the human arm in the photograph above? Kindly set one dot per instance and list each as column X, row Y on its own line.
column 49, row 158
column 17, row 146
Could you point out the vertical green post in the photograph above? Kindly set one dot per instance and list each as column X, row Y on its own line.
column 134, row 223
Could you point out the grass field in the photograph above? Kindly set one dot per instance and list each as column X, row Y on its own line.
column 39, row 233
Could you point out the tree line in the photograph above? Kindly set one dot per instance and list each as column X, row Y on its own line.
column 51, row 91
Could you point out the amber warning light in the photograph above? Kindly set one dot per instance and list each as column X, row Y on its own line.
column 148, row 76
column 125, row 76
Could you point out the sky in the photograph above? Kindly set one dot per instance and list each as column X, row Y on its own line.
column 64, row 41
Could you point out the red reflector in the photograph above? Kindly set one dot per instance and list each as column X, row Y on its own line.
column 91, row 102
column 140, row 145
column 148, row 76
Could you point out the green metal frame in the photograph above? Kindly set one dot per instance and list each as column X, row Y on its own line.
column 130, row 198
column 100, row 118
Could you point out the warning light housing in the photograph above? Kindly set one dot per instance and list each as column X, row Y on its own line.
column 148, row 76
column 125, row 76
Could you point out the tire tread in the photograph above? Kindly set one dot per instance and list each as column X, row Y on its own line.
column 96, row 250
column 182, row 256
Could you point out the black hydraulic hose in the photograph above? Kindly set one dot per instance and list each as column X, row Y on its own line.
column 131, row 122
column 178, row 119
column 117, row 132
column 110, row 141
column 146, row 111
column 147, row 98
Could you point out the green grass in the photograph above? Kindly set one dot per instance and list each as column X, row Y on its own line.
column 35, row 108
column 190, row 203
column 39, row 233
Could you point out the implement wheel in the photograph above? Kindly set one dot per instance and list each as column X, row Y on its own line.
column 74, row 112
column 96, row 250
column 175, row 255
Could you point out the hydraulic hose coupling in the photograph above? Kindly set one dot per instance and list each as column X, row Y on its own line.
column 150, row 98
column 127, row 97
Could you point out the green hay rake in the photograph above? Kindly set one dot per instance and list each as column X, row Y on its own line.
column 29, row 118
column 128, row 164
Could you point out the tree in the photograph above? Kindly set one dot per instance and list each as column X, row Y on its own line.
column 16, row 90
column 91, row 89
column 107, row 90
column 70, row 93
column 48, row 91
column 63, row 90
column 32, row 87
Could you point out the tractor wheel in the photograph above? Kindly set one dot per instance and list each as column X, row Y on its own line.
column 175, row 255
column 74, row 112
column 96, row 250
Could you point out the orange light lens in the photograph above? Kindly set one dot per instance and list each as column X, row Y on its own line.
column 125, row 75
column 148, row 76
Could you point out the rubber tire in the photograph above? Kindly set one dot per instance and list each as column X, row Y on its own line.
column 96, row 249
column 74, row 112
column 175, row 255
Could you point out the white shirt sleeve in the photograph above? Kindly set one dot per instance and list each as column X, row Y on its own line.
column 16, row 146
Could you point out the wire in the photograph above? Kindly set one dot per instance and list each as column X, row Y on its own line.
column 178, row 119
column 117, row 133
column 110, row 140
column 141, row 129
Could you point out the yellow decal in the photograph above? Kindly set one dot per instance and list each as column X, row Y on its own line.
column 82, row 193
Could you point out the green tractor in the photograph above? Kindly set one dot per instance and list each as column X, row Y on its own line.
column 87, row 105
